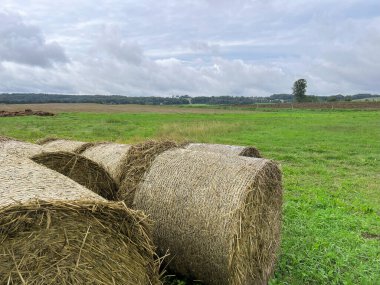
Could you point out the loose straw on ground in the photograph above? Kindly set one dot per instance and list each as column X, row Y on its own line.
column 54, row 231
column 219, row 216
column 235, row 150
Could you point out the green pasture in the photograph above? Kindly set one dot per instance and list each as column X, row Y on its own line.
column 331, row 175
column 373, row 99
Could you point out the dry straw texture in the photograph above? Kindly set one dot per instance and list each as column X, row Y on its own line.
column 15, row 147
column 137, row 163
column 54, row 231
column 82, row 170
column 110, row 155
column 4, row 138
column 219, row 216
column 53, row 144
column 248, row 151
column 46, row 140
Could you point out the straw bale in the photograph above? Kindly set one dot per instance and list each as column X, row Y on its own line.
column 80, row 169
column 54, row 231
column 65, row 145
column 46, row 140
column 85, row 146
column 136, row 164
column 109, row 155
column 5, row 138
column 234, row 150
column 219, row 216
column 16, row 147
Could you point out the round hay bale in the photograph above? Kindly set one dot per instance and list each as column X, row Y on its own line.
column 20, row 148
column 234, row 150
column 110, row 155
column 54, row 231
column 136, row 164
column 5, row 138
column 46, row 140
column 219, row 216
column 52, row 144
column 82, row 170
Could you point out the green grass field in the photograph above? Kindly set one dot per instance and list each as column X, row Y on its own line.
column 331, row 170
column 376, row 99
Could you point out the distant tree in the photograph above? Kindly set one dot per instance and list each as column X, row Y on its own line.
column 299, row 90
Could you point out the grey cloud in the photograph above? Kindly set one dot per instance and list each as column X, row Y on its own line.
column 112, row 43
column 25, row 44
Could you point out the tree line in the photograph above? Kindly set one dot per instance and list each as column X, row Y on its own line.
column 34, row 98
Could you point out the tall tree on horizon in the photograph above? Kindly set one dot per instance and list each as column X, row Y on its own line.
column 299, row 90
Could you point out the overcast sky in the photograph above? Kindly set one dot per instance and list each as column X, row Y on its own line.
column 194, row 47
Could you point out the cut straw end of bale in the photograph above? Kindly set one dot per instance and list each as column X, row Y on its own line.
column 219, row 216
column 82, row 170
column 55, row 231
column 234, row 150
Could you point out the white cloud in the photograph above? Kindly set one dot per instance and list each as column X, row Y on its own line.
column 198, row 47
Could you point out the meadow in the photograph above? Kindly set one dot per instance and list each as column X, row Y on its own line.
column 331, row 172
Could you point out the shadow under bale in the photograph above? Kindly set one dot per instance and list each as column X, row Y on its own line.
column 54, row 231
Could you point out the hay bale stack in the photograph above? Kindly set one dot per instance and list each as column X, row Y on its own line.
column 53, row 144
column 54, row 231
column 82, row 170
column 110, row 155
column 233, row 150
column 219, row 216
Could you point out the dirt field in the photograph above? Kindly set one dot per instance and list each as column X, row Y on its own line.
column 130, row 108
column 100, row 108
column 26, row 112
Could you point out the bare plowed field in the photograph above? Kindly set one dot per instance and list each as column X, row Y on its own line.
column 102, row 108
